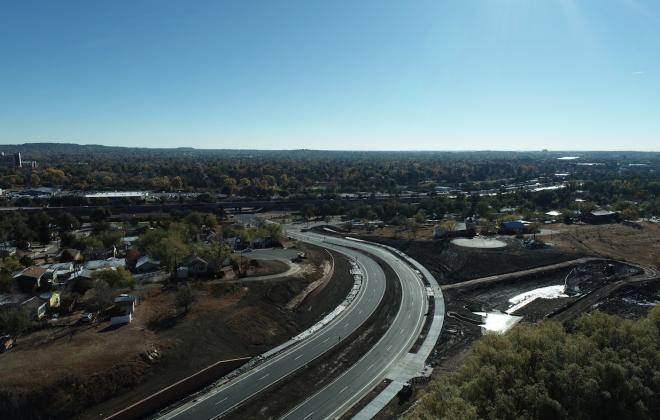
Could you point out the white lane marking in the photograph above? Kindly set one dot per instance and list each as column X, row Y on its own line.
column 370, row 366
column 264, row 377
column 298, row 357
column 343, row 389
column 388, row 347
column 221, row 401
column 325, row 340
column 346, row 325
column 308, row 416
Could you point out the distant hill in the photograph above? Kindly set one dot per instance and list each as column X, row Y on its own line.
column 44, row 150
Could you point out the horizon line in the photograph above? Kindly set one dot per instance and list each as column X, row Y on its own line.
column 333, row 150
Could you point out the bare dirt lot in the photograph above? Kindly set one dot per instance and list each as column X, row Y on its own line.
column 616, row 241
column 631, row 301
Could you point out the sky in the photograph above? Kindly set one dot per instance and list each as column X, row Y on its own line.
column 343, row 75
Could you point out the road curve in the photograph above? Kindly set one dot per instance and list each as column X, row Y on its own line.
column 224, row 398
column 339, row 396
column 358, row 380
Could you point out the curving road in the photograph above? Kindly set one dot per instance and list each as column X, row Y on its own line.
column 337, row 397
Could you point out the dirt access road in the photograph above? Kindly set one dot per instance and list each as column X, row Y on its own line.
column 519, row 274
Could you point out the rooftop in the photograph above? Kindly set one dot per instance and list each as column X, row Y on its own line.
column 602, row 213
column 33, row 271
column 109, row 263
column 125, row 298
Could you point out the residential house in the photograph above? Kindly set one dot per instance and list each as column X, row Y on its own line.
column 30, row 278
column 145, row 264
column 127, row 242
column 82, row 278
column 124, row 309
column 35, row 308
column 598, row 217
column 460, row 229
column 513, row 227
column 7, row 250
column 357, row 224
column 508, row 210
column 59, row 273
column 182, row 273
column 373, row 224
column 195, row 266
column 232, row 242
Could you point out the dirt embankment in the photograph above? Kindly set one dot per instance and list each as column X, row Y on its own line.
column 266, row 268
column 451, row 264
column 631, row 301
column 287, row 394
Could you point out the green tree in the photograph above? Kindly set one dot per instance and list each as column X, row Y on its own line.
column 607, row 368
column 185, row 297
column 67, row 222
column 210, row 220
column 101, row 295
column 13, row 321
column 11, row 264
column 214, row 253
column 169, row 246
column 115, row 278
column 6, row 281
column 26, row 261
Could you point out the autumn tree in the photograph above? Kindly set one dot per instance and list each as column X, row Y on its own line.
column 177, row 183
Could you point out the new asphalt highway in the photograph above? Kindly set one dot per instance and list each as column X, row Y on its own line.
column 337, row 397
column 359, row 379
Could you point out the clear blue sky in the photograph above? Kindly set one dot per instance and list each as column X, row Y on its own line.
column 376, row 74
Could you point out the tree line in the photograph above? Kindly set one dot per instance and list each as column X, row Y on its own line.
column 606, row 368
